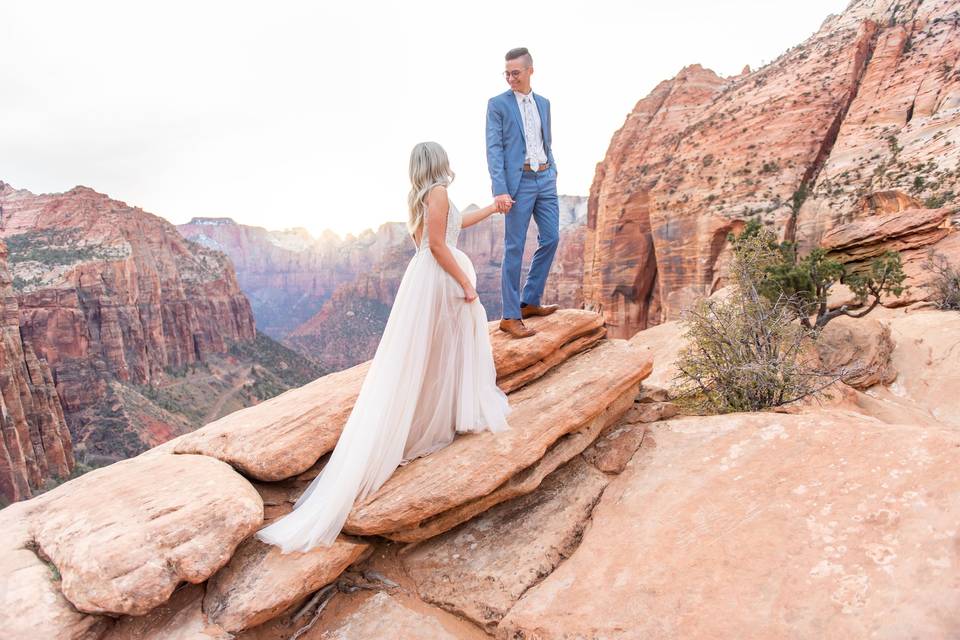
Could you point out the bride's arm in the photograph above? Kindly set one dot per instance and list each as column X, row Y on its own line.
column 472, row 218
column 437, row 206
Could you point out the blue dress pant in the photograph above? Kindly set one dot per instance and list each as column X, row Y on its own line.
column 537, row 197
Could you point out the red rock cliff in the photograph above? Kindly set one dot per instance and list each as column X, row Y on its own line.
column 111, row 292
column 35, row 443
column 868, row 103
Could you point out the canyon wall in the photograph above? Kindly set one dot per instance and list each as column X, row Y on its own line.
column 108, row 293
column 35, row 443
column 868, row 104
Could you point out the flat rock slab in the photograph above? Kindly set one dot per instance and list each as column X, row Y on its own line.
column 31, row 604
column 285, row 435
column 179, row 618
column 383, row 617
column 260, row 583
column 565, row 400
column 821, row 525
column 527, row 480
column 124, row 536
column 481, row 568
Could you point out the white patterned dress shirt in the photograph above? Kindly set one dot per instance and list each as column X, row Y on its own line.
column 532, row 128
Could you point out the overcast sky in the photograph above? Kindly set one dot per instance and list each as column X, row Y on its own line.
column 303, row 113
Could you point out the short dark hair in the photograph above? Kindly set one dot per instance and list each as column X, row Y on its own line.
column 519, row 52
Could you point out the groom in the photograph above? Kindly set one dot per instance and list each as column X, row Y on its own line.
column 524, row 177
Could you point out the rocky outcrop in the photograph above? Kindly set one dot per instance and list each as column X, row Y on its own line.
column 108, row 292
column 179, row 618
column 474, row 473
column 35, row 444
column 259, row 583
column 33, row 605
column 123, row 537
column 860, row 348
column 285, row 435
column 479, row 573
column 858, row 120
column 114, row 544
column 870, row 237
column 926, row 389
column 602, row 471
column 915, row 233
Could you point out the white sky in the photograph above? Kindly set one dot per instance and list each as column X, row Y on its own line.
column 303, row 114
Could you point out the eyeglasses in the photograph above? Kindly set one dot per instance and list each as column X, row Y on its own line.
column 513, row 74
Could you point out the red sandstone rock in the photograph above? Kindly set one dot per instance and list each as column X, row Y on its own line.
column 765, row 526
column 870, row 237
column 287, row 434
column 862, row 346
column 478, row 572
column 123, row 537
column 259, row 583
column 862, row 116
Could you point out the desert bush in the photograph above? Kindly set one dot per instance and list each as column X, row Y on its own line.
column 746, row 351
column 945, row 283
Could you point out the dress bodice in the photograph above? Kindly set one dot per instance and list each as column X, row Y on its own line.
column 454, row 220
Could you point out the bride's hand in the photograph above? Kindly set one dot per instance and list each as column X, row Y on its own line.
column 469, row 293
column 503, row 203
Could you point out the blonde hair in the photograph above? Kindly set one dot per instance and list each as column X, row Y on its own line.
column 429, row 167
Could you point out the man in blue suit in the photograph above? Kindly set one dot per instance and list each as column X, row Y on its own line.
column 524, row 177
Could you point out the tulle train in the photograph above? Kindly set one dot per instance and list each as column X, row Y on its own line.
column 432, row 375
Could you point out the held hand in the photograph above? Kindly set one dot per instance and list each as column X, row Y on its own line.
column 503, row 202
column 469, row 293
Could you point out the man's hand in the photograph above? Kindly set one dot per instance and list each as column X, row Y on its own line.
column 504, row 202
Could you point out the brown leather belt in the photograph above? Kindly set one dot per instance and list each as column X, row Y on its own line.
column 543, row 167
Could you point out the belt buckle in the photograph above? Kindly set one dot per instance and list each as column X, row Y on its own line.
column 535, row 167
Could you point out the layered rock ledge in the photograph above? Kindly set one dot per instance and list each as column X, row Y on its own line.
column 160, row 546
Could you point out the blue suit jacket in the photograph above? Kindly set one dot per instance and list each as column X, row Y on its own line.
column 506, row 144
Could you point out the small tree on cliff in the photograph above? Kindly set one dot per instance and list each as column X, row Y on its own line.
column 806, row 282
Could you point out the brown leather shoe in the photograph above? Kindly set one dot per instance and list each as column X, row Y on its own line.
column 538, row 310
column 516, row 328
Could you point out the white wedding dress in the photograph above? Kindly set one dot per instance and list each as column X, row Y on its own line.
column 432, row 376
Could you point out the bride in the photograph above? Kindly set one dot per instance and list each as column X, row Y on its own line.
column 431, row 377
